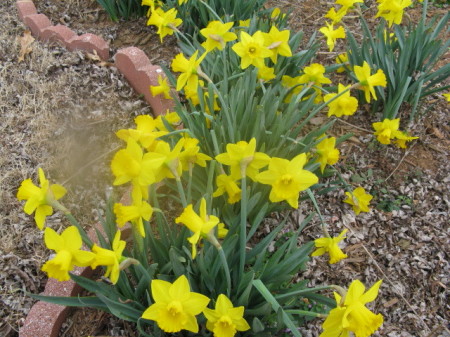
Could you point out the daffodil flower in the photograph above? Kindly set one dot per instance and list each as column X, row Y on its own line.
column 137, row 212
column 359, row 200
column 344, row 105
column 40, row 199
column 252, row 50
column 288, row 179
column 175, row 305
column 191, row 154
column 225, row 320
column 189, row 69
column 166, row 22
column 146, row 132
column 386, row 130
column 217, row 35
column 226, row 184
column 351, row 314
column 367, row 82
column 392, row 10
column 243, row 160
column 278, row 43
column 201, row 225
column 332, row 34
column 163, row 88
column 68, row 253
column 330, row 246
column 327, row 152
column 131, row 164
column 111, row 259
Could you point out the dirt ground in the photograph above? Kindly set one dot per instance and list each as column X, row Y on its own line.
column 59, row 111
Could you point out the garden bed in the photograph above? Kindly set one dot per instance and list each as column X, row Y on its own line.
column 63, row 101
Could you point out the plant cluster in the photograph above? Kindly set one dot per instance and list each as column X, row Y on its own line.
column 237, row 147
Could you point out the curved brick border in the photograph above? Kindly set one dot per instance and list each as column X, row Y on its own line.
column 45, row 319
column 132, row 62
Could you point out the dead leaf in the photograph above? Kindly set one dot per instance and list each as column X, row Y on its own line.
column 94, row 57
column 390, row 303
column 317, row 120
column 25, row 42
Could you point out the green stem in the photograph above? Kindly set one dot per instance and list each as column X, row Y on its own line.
column 305, row 313
column 243, row 224
column 189, row 186
column 180, row 190
column 316, row 206
column 226, row 269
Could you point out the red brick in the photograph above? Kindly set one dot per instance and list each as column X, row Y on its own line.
column 36, row 23
column 25, row 8
column 89, row 42
column 44, row 320
column 140, row 73
column 129, row 60
column 59, row 33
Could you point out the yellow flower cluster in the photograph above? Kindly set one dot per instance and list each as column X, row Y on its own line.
column 175, row 308
column 387, row 130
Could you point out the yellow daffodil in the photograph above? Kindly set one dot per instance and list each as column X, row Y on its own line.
column 367, row 82
column 334, row 16
column 152, row 4
column 139, row 211
column 276, row 13
column 252, row 50
column 351, row 314
column 175, row 306
column 344, row 105
column 243, row 160
column 386, row 130
column 189, row 69
column 200, row 225
column 110, row 258
column 332, row 34
column 278, row 43
column 341, row 59
column 145, row 133
column 287, row 178
column 266, row 73
column 447, row 97
column 225, row 320
column 327, row 152
column 171, row 167
column 67, row 247
column 401, row 138
column 131, row 164
column 314, row 73
column 359, row 200
column 162, row 88
column 39, row 199
column 170, row 118
column 166, row 22
column 226, row 184
column 244, row 23
column 191, row 154
column 330, row 246
column 392, row 11
column 217, row 35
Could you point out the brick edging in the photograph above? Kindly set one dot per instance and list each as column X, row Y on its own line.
column 131, row 62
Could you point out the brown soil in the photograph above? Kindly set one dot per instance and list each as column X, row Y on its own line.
column 59, row 111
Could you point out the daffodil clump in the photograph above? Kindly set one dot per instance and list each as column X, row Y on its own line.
column 181, row 252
